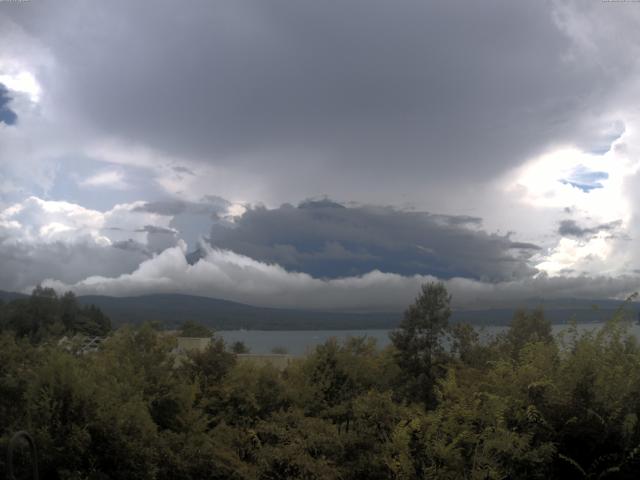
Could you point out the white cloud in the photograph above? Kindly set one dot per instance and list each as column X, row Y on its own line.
column 109, row 179
column 574, row 256
column 38, row 221
column 548, row 182
column 240, row 136
column 227, row 275
column 73, row 247
column 63, row 240
column 23, row 82
column 35, row 221
column 590, row 188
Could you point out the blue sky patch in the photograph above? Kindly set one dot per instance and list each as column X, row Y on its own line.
column 71, row 170
column 7, row 116
column 585, row 179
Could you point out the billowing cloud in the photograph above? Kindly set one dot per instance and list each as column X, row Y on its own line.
column 495, row 116
column 40, row 239
column 24, row 266
column 227, row 275
column 327, row 239
column 378, row 256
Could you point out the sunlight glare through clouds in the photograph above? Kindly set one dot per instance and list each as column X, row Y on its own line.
column 587, row 185
column 23, row 82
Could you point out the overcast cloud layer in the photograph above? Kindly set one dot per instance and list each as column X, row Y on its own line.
column 161, row 147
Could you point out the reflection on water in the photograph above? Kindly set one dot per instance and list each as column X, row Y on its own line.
column 299, row 342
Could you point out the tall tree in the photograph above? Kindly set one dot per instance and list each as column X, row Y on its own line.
column 524, row 328
column 420, row 354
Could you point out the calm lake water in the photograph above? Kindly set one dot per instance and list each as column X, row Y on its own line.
column 300, row 342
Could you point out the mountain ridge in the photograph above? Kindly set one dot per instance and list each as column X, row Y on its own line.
column 170, row 310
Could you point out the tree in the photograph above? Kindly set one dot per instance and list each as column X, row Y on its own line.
column 208, row 368
column 467, row 347
column 239, row 347
column 294, row 446
column 43, row 312
column 524, row 328
column 44, row 315
column 418, row 342
column 69, row 310
column 91, row 321
column 194, row 329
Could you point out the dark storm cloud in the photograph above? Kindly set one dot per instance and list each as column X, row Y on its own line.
column 524, row 246
column 156, row 229
column 25, row 265
column 570, row 228
column 418, row 92
column 326, row 239
column 7, row 116
column 210, row 204
column 191, row 220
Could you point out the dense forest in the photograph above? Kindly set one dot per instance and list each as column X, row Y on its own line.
column 44, row 316
column 525, row 404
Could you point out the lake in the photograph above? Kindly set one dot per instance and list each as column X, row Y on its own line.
column 300, row 342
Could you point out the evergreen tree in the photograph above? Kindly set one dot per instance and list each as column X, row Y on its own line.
column 420, row 354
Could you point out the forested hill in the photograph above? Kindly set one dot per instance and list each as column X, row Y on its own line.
column 9, row 296
column 171, row 310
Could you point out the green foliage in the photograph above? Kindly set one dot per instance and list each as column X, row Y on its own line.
column 467, row 348
column 419, row 351
column 294, row 446
column 525, row 327
column 86, row 421
column 239, row 347
column 194, row 329
column 45, row 315
column 523, row 406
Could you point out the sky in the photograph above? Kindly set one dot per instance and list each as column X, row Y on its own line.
column 326, row 155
